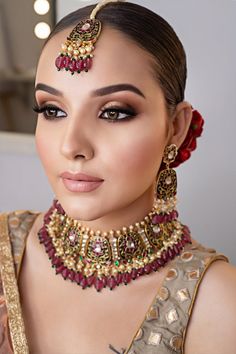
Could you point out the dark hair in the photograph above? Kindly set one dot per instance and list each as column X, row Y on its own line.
column 152, row 33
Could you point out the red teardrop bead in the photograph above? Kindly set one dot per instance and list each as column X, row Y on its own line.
column 56, row 261
column 99, row 285
column 48, row 241
column 79, row 65
column 65, row 273
column 134, row 273
column 72, row 66
column 127, row 277
column 78, row 277
column 160, row 262
column 43, row 233
column 111, row 282
column 164, row 256
column 140, row 271
column 147, row 268
column 88, row 63
column 60, row 62
column 104, row 279
column 51, row 253
column 90, row 280
column 84, row 283
column 60, row 269
column 49, row 246
column 154, row 265
column 71, row 275
column 175, row 247
column 118, row 278
column 170, row 253
column 157, row 219
column 67, row 62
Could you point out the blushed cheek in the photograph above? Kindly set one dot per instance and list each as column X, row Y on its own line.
column 140, row 158
column 45, row 151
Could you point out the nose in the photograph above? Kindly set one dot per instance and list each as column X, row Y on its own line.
column 77, row 141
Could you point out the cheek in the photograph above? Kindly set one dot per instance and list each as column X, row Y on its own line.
column 45, row 146
column 136, row 154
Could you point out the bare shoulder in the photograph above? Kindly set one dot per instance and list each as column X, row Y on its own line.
column 212, row 325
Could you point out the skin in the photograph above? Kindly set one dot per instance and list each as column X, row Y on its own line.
column 127, row 155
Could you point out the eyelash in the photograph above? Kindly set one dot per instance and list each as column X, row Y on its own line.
column 116, row 109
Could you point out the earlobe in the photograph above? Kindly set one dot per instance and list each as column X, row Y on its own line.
column 181, row 122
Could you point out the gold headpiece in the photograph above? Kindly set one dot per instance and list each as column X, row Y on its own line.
column 77, row 52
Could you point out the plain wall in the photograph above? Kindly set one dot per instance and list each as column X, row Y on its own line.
column 206, row 183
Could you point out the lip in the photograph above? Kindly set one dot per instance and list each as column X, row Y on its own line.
column 80, row 182
column 79, row 177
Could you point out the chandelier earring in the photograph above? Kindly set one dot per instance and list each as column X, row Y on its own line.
column 166, row 188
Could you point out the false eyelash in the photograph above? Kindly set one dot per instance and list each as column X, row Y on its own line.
column 42, row 109
column 130, row 112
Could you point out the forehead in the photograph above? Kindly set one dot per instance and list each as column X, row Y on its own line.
column 117, row 59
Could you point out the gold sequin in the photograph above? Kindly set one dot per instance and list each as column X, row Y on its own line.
column 176, row 342
column 15, row 318
column 154, row 338
column 193, row 274
column 153, row 314
column 172, row 274
column 163, row 294
column 172, row 316
column 183, row 295
column 139, row 334
column 186, row 256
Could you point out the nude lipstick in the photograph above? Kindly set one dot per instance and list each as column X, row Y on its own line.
column 80, row 182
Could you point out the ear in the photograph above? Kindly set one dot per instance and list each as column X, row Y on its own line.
column 180, row 123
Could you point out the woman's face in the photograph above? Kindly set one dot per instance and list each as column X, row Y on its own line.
column 126, row 153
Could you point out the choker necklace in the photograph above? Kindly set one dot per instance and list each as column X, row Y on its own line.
column 107, row 259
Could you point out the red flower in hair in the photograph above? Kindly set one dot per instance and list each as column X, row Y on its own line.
column 190, row 142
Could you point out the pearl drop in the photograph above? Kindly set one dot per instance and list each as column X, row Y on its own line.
column 82, row 50
column 64, row 47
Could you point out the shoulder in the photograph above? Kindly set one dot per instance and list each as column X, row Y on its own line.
column 213, row 320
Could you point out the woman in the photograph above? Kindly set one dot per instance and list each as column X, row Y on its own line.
column 112, row 123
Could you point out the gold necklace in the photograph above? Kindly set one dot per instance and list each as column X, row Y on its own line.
column 102, row 259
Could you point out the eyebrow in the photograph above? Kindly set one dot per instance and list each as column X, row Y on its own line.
column 49, row 89
column 117, row 88
column 99, row 92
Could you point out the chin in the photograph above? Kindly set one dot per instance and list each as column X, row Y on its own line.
column 80, row 210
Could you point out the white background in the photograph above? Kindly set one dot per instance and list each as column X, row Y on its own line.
column 207, row 182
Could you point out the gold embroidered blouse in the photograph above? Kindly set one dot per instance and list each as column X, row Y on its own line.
column 165, row 324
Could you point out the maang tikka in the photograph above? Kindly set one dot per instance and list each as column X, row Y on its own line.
column 77, row 52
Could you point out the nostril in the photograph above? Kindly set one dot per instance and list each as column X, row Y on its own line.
column 78, row 156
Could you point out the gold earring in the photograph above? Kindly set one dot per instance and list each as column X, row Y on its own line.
column 166, row 187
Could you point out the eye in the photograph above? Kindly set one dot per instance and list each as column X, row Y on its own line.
column 50, row 112
column 115, row 114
